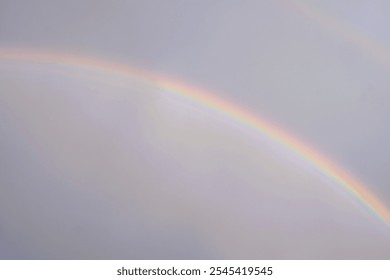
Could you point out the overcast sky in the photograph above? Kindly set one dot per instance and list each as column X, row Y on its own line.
column 96, row 165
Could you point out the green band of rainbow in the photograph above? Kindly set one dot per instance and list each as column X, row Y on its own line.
column 292, row 143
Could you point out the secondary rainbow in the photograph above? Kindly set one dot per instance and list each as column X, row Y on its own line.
column 223, row 106
column 364, row 42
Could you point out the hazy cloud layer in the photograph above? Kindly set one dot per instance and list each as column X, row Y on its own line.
column 94, row 165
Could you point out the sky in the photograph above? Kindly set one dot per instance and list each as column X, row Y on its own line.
column 99, row 165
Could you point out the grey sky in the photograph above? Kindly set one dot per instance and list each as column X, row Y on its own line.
column 109, row 168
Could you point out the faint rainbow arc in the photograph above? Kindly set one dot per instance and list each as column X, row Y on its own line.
column 292, row 143
column 364, row 42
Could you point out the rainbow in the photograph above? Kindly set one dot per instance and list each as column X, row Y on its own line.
column 365, row 43
column 222, row 106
